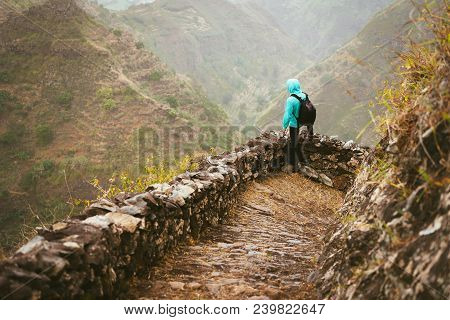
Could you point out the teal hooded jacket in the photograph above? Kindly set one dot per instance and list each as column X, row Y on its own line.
column 292, row 107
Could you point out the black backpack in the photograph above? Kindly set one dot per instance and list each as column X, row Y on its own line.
column 307, row 114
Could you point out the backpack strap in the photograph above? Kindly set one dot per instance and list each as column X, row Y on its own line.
column 300, row 101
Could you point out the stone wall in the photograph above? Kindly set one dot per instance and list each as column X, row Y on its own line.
column 95, row 254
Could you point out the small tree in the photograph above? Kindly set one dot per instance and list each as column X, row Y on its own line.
column 4, row 77
column 117, row 32
column 140, row 45
column 109, row 104
column 173, row 102
column 13, row 135
column 64, row 99
column 5, row 100
column 44, row 134
column 155, row 76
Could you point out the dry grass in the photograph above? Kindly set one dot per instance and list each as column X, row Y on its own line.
column 424, row 65
column 308, row 196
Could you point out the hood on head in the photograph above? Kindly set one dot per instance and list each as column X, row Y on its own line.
column 293, row 86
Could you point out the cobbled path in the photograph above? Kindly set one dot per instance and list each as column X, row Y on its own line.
column 266, row 249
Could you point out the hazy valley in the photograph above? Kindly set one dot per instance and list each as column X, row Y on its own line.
column 344, row 84
column 241, row 52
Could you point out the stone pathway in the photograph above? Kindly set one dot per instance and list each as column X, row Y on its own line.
column 266, row 249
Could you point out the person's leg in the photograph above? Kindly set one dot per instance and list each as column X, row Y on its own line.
column 293, row 157
column 301, row 149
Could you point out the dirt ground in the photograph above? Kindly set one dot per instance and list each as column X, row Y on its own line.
column 266, row 249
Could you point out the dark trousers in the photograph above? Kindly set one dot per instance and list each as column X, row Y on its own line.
column 295, row 153
column 293, row 150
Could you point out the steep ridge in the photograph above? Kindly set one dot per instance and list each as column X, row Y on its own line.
column 343, row 85
column 321, row 27
column 238, row 56
column 73, row 95
column 395, row 243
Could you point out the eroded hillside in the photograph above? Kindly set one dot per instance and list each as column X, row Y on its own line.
column 73, row 96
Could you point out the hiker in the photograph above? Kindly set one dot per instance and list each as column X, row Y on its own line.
column 294, row 118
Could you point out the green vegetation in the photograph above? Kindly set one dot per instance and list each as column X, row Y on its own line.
column 155, row 76
column 172, row 113
column 88, row 142
column 128, row 94
column 4, row 194
column 105, row 93
column 243, row 64
column 140, row 45
column 28, row 181
column 23, row 155
column 40, row 170
column 64, row 99
column 411, row 105
column 4, row 77
column 5, row 100
column 109, row 104
column 48, row 165
column 13, row 135
column 44, row 134
column 117, row 32
column 123, row 182
column 172, row 101
column 106, row 96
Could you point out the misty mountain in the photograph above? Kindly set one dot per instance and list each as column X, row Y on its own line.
column 320, row 27
column 343, row 85
column 121, row 4
column 242, row 51
column 238, row 56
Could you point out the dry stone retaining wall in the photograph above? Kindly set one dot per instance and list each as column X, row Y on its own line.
column 95, row 254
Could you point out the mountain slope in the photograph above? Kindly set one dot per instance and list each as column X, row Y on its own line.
column 237, row 55
column 321, row 27
column 342, row 85
column 73, row 98
column 121, row 4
